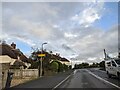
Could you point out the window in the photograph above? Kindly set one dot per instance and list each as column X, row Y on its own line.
column 108, row 64
column 113, row 64
column 118, row 61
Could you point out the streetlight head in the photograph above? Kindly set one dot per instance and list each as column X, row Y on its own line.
column 45, row 43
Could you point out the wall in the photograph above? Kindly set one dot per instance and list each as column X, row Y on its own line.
column 24, row 73
column 6, row 59
column 0, row 76
column 4, row 72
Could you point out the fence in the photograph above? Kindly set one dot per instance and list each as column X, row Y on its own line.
column 24, row 73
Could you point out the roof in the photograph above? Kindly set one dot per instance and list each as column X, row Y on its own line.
column 24, row 58
column 6, row 49
column 19, row 63
column 64, row 59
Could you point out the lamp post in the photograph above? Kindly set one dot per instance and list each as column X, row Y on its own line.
column 42, row 46
column 40, row 61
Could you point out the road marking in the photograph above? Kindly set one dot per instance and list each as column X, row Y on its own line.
column 102, row 79
column 61, row 82
column 74, row 72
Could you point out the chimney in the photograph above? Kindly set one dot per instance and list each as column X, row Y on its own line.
column 13, row 45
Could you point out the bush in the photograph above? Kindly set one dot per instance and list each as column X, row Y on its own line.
column 54, row 66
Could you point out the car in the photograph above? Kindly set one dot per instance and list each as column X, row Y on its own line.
column 112, row 67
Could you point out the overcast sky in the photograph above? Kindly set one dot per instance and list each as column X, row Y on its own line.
column 79, row 30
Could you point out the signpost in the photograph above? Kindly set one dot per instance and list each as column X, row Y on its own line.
column 40, row 61
column 41, row 55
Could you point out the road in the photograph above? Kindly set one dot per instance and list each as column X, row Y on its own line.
column 90, row 78
column 80, row 78
column 45, row 82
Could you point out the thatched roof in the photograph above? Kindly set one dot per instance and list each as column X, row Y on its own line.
column 6, row 49
column 64, row 59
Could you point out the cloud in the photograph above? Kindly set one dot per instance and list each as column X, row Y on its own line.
column 67, row 48
column 92, row 45
column 70, row 35
column 67, row 27
column 89, row 15
column 23, row 39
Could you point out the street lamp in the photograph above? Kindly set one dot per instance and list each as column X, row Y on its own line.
column 42, row 46
column 40, row 61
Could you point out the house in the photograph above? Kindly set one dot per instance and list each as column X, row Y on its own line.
column 9, row 54
column 60, row 59
column 11, row 58
column 65, row 61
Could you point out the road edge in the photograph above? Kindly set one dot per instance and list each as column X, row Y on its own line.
column 96, row 76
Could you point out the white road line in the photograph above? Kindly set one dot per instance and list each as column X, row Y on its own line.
column 74, row 72
column 61, row 82
column 102, row 79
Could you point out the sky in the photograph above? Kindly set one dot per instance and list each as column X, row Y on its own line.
column 79, row 31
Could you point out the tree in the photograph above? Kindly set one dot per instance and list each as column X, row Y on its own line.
column 34, row 65
column 47, row 61
column 84, row 65
column 102, row 65
column 54, row 66
column 76, row 66
column 65, row 67
column 94, row 65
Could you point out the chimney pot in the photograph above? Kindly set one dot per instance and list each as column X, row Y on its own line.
column 13, row 45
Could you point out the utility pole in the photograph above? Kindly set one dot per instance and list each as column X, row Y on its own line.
column 105, row 54
column 40, row 61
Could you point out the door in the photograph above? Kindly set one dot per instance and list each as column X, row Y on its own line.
column 113, row 68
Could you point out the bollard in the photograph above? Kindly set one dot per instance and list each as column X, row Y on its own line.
column 9, row 79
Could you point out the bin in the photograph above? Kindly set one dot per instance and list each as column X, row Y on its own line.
column 9, row 79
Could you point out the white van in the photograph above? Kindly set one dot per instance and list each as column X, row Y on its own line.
column 113, row 67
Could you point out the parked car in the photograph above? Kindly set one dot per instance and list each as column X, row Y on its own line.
column 113, row 67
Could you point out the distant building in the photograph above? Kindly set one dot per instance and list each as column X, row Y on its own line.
column 60, row 59
column 65, row 61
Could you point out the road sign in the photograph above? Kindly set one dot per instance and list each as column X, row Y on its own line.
column 41, row 55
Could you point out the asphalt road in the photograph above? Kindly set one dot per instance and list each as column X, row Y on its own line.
column 90, row 78
column 103, row 75
column 80, row 78
column 45, row 82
